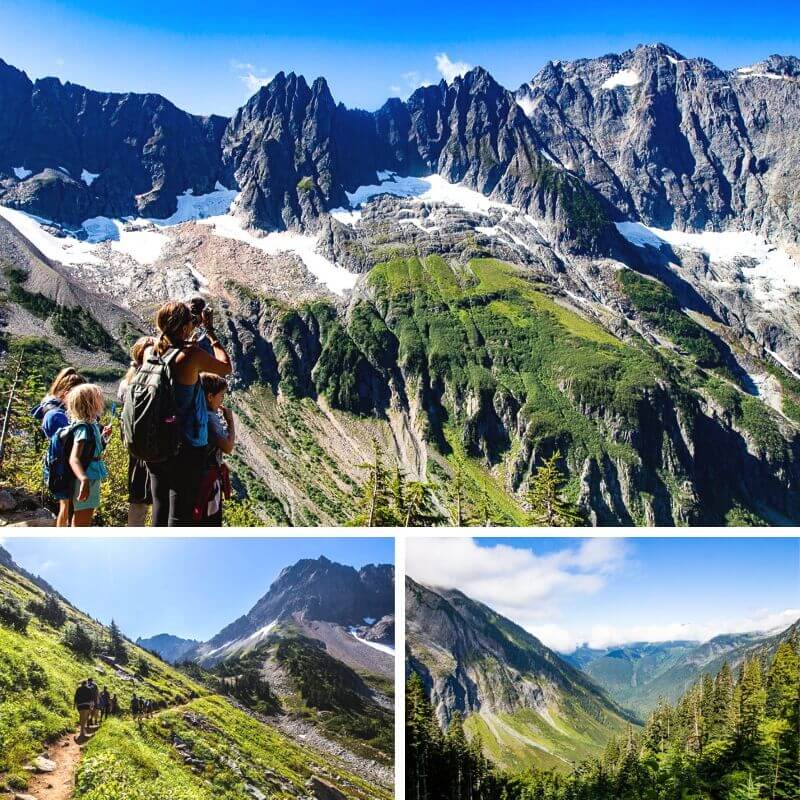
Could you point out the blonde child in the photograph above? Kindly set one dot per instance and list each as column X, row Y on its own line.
column 85, row 404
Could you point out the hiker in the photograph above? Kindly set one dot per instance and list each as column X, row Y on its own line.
column 105, row 703
column 52, row 415
column 215, row 484
column 85, row 404
column 83, row 703
column 114, row 707
column 175, row 482
column 139, row 497
column 136, row 707
column 95, row 690
column 197, row 305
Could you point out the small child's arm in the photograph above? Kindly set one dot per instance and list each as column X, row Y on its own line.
column 78, row 470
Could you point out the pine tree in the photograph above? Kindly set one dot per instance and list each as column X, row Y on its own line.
column 418, row 508
column 722, row 716
column 116, row 644
column 78, row 640
column 752, row 702
column 374, row 505
column 548, row 507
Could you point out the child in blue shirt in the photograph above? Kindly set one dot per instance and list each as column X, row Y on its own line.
column 85, row 404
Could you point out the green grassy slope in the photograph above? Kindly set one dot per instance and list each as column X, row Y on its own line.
column 123, row 761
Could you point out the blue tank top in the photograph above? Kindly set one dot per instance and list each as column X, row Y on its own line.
column 192, row 413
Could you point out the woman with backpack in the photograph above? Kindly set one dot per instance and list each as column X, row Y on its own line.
column 139, row 497
column 85, row 404
column 175, row 482
column 52, row 414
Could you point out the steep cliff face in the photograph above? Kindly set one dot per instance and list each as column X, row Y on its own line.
column 677, row 141
column 482, row 361
column 503, row 680
column 296, row 154
column 68, row 153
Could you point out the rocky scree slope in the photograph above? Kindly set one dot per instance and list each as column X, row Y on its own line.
column 524, row 699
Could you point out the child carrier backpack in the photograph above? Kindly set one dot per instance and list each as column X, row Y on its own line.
column 58, row 475
column 150, row 425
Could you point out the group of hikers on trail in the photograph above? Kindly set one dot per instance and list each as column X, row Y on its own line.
column 93, row 705
column 173, row 422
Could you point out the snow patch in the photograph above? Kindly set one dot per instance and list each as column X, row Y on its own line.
column 336, row 278
column 431, row 189
column 771, row 274
column 201, row 206
column 383, row 648
column 22, row 173
column 144, row 246
column 347, row 217
column 527, row 105
column 89, row 177
column 65, row 249
column 625, row 77
column 369, row 620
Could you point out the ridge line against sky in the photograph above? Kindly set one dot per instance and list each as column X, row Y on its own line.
column 210, row 60
column 187, row 587
column 609, row 592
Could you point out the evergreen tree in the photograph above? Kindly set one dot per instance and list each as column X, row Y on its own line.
column 375, row 504
column 548, row 506
column 77, row 639
column 752, row 702
column 418, row 507
column 116, row 644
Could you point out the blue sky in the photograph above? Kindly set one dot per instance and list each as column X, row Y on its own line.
column 209, row 56
column 610, row 591
column 188, row 587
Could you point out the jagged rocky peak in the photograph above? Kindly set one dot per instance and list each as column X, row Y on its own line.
column 677, row 141
column 68, row 153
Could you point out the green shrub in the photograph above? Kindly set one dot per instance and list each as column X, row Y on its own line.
column 48, row 610
column 12, row 615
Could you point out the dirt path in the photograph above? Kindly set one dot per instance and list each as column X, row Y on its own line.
column 59, row 784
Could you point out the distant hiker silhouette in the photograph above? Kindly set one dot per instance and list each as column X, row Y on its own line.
column 105, row 703
column 84, row 696
column 175, row 480
column 139, row 496
column 136, row 707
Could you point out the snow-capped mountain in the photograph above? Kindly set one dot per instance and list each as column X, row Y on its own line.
column 622, row 230
column 348, row 609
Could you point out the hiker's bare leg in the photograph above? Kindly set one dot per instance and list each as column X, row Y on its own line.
column 83, row 714
column 82, row 518
column 62, row 520
column 137, row 514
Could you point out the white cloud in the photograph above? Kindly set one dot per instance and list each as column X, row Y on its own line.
column 255, row 82
column 450, row 70
column 514, row 581
column 250, row 75
column 46, row 566
column 762, row 620
column 529, row 589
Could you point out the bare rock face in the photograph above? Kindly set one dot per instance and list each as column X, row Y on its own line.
column 677, row 141
column 68, row 153
column 295, row 154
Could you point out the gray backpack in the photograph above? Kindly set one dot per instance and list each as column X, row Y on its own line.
column 150, row 424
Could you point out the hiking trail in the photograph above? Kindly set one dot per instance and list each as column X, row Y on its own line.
column 59, row 783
